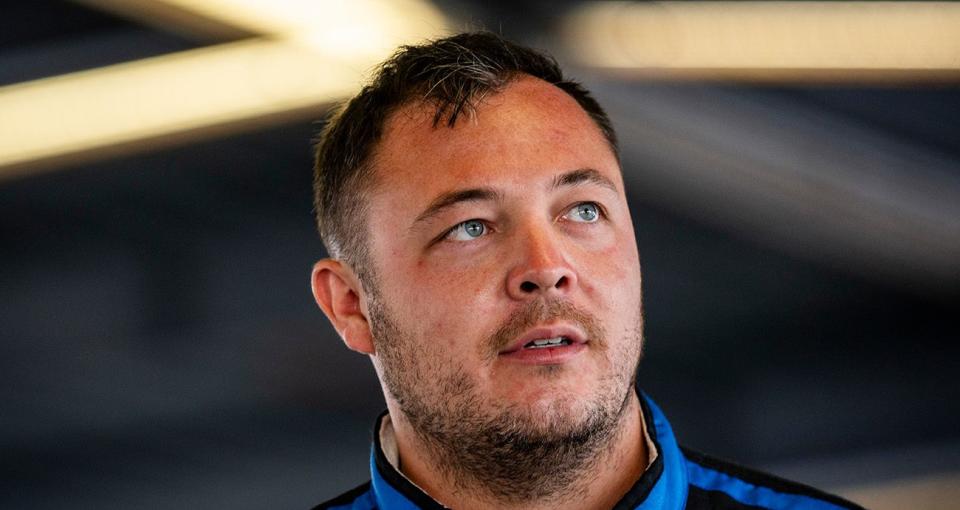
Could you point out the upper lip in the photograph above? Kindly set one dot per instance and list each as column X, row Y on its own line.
column 572, row 333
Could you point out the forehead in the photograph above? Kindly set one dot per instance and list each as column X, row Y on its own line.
column 528, row 131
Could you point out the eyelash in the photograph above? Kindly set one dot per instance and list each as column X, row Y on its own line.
column 462, row 224
column 601, row 215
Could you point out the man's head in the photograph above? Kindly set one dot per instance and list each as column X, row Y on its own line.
column 450, row 75
column 499, row 294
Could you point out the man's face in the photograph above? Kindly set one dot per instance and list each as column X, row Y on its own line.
column 509, row 230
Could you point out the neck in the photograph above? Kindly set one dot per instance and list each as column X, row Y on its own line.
column 596, row 480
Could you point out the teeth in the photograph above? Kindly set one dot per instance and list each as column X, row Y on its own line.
column 547, row 342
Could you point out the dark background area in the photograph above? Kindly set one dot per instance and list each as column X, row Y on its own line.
column 160, row 347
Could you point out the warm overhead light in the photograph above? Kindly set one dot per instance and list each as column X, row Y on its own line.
column 287, row 16
column 757, row 38
column 309, row 53
column 344, row 28
column 163, row 96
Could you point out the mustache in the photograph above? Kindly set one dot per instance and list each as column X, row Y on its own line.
column 537, row 312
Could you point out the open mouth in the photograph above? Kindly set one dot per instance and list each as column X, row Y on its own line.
column 548, row 342
column 547, row 345
column 547, row 338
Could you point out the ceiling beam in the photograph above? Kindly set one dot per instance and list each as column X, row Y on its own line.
column 306, row 55
column 841, row 41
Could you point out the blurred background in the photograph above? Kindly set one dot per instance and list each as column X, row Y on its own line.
column 794, row 172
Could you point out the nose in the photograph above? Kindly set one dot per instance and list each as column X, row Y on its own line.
column 542, row 268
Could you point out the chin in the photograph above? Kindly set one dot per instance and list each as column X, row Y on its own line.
column 571, row 408
column 552, row 415
column 574, row 394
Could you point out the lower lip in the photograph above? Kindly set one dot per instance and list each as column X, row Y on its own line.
column 544, row 355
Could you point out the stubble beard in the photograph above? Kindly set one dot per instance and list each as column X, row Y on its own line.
column 508, row 453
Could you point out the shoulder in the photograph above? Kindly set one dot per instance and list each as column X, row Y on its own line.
column 358, row 498
column 715, row 483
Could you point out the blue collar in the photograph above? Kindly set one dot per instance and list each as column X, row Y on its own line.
column 663, row 486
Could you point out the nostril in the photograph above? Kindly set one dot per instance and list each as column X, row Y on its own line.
column 561, row 282
column 528, row 286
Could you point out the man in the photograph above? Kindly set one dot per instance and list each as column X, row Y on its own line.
column 483, row 257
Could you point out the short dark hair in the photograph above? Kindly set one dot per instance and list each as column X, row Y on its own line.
column 453, row 74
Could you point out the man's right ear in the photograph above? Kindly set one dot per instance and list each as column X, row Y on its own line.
column 338, row 293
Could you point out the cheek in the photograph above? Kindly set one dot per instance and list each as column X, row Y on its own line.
column 449, row 305
column 613, row 266
column 625, row 257
column 458, row 276
column 610, row 278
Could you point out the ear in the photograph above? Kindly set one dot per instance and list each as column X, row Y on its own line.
column 338, row 293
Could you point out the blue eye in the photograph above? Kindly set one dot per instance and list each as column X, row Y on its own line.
column 586, row 212
column 467, row 231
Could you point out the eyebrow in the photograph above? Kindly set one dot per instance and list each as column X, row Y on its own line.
column 583, row 176
column 452, row 198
